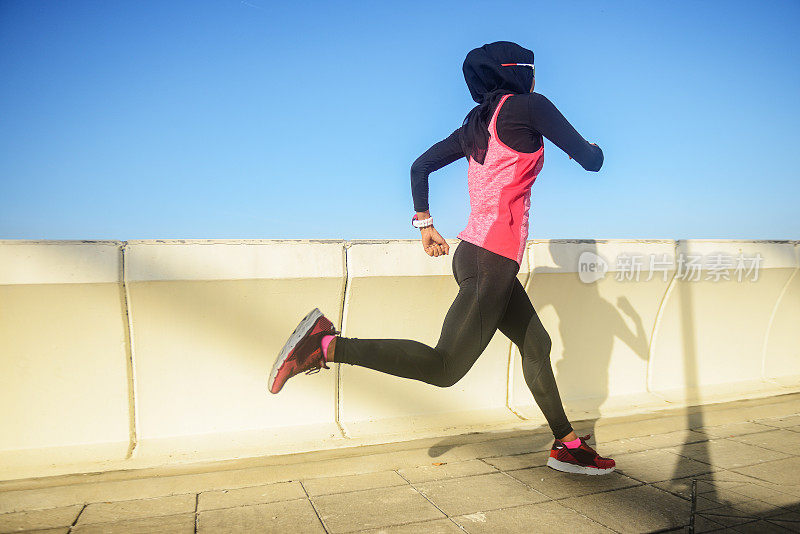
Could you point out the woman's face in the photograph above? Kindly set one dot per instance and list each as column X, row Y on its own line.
column 533, row 84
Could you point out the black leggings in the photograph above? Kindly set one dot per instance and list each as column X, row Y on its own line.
column 490, row 297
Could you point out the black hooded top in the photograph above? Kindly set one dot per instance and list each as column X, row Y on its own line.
column 521, row 123
column 488, row 80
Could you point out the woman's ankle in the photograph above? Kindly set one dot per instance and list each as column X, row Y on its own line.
column 328, row 347
column 572, row 436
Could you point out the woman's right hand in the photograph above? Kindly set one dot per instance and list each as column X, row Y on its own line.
column 433, row 243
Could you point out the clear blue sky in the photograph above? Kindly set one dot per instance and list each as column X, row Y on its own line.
column 263, row 119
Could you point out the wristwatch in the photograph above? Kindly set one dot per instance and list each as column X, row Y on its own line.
column 421, row 224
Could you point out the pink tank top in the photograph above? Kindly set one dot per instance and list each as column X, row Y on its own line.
column 500, row 196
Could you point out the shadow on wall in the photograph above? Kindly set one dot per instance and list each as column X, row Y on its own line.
column 587, row 326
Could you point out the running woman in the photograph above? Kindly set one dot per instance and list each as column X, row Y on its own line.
column 501, row 138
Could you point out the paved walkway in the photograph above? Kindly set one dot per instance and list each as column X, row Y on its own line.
column 743, row 456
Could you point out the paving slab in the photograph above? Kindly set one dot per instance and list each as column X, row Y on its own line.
column 781, row 440
column 703, row 524
column 425, row 473
column 670, row 439
column 546, row 517
column 759, row 508
column 659, row 464
column 381, row 461
column 727, row 516
column 437, row 526
column 737, row 411
column 767, row 494
column 637, row 509
column 39, row 519
column 59, row 530
column 761, row 527
column 713, row 482
column 557, row 485
column 517, row 461
column 704, row 504
column 276, row 517
column 374, row 508
column 342, row 484
column 614, row 430
column 479, row 493
column 732, row 429
column 110, row 512
column 790, row 489
column 728, row 496
column 620, row 446
column 784, row 472
column 173, row 524
column 726, row 453
column 282, row 491
column 790, row 521
column 144, row 487
column 781, row 422
column 504, row 447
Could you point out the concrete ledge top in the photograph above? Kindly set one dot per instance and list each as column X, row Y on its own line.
column 87, row 261
column 59, row 262
column 223, row 261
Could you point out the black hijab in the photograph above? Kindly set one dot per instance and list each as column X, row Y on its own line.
column 488, row 81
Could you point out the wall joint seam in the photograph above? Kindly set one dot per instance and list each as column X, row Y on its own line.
column 656, row 323
column 133, row 412
column 778, row 301
column 345, row 297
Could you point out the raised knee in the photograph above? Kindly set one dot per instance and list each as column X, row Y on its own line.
column 540, row 347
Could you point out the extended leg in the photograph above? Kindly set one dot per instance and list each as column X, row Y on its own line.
column 413, row 359
column 484, row 280
column 521, row 325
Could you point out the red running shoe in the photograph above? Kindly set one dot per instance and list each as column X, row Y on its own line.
column 303, row 350
column 583, row 459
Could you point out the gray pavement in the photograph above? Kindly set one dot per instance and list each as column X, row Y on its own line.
column 742, row 456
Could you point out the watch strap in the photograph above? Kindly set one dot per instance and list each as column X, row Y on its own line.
column 423, row 223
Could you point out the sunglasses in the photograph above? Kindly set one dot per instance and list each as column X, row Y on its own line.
column 520, row 65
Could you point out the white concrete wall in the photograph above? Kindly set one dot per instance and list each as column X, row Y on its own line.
column 131, row 354
column 64, row 372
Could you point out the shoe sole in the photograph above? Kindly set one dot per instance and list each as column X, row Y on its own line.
column 305, row 326
column 558, row 465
